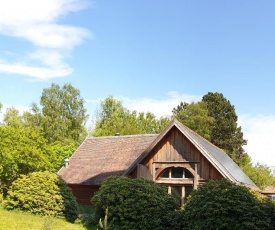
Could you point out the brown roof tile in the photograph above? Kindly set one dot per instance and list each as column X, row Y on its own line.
column 100, row 157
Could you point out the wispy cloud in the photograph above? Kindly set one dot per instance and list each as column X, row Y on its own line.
column 37, row 22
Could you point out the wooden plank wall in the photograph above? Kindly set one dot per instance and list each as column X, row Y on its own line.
column 83, row 193
column 176, row 147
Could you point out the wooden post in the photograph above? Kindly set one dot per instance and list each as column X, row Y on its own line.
column 154, row 172
column 195, row 185
column 182, row 194
column 169, row 190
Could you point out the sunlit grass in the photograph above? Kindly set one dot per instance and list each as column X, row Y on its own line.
column 17, row 220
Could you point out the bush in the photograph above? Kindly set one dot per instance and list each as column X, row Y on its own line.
column 87, row 216
column 225, row 205
column 135, row 204
column 42, row 193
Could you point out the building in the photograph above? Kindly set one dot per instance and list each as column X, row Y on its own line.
column 177, row 158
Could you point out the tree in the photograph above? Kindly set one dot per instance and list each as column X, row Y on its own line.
column 196, row 117
column 22, row 150
column 215, row 119
column 225, row 205
column 135, row 204
column 63, row 114
column 259, row 174
column 225, row 131
column 13, row 118
column 60, row 152
column 114, row 118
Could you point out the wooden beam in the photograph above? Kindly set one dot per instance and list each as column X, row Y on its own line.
column 195, row 185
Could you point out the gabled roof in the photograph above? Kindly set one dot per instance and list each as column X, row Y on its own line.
column 100, row 157
column 216, row 156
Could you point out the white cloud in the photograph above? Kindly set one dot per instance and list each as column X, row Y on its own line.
column 37, row 22
column 38, row 73
column 260, row 132
column 160, row 108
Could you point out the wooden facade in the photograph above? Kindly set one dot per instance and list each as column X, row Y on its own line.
column 172, row 152
column 83, row 193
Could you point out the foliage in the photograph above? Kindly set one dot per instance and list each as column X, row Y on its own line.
column 13, row 118
column 22, row 150
column 63, row 115
column 259, row 174
column 135, row 204
column 195, row 116
column 225, row 132
column 26, row 221
column 225, row 205
column 87, row 216
column 114, row 118
column 60, row 153
column 215, row 119
column 42, row 193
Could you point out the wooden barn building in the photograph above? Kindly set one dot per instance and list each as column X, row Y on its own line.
column 177, row 158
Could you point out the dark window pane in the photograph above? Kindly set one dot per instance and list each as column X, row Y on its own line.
column 188, row 174
column 165, row 174
column 188, row 190
column 177, row 172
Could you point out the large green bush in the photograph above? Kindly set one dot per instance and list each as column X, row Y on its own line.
column 42, row 193
column 225, row 205
column 135, row 204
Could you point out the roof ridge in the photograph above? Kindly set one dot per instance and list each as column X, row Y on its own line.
column 120, row 136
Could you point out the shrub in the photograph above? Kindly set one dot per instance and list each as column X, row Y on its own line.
column 135, row 204
column 225, row 205
column 42, row 193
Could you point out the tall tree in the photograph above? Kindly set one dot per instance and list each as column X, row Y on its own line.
column 63, row 114
column 114, row 118
column 225, row 131
column 215, row 119
column 196, row 117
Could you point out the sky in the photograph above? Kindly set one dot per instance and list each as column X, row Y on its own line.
column 150, row 54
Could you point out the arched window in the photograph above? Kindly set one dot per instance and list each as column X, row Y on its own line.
column 178, row 172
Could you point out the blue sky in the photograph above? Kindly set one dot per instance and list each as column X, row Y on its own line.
column 150, row 54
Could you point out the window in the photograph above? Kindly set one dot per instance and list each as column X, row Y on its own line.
column 176, row 173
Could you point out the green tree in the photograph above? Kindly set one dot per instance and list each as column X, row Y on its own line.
column 22, row 150
column 225, row 205
column 135, row 204
column 225, row 131
column 13, row 118
column 259, row 174
column 196, row 117
column 114, row 118
column 60, row 152
column 215, row 119
column 63, row 114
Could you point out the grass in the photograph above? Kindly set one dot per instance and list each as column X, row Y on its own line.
column 15, row 220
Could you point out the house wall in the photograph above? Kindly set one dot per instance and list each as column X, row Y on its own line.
column 83, row 193
column 176, row 147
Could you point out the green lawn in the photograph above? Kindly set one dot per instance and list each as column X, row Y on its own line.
column 16, row 220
